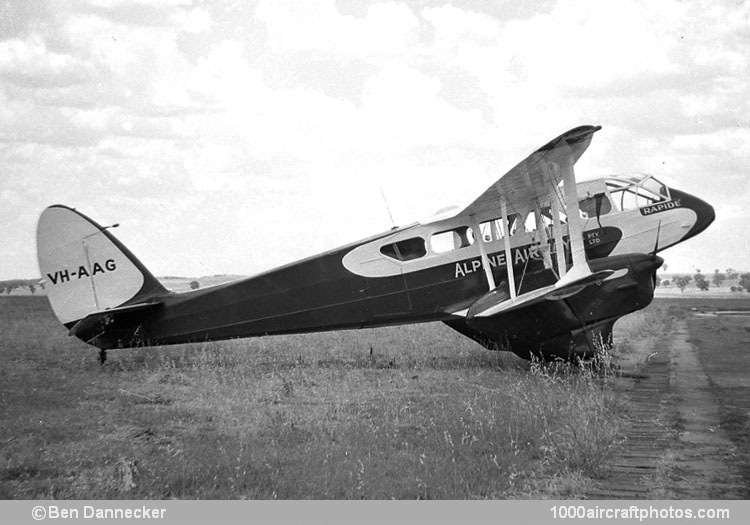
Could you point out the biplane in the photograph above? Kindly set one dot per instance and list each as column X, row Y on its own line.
column 538, row 264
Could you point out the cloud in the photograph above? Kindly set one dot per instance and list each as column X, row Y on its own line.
column 403, row 109
column 17, row 17
column 197, row 21
column 157, row 110
column 28, row 63
column 454, row 28
column 135, row 13
column 388, row 29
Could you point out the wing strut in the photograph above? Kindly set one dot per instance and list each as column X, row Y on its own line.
column 562, row 266
column 508, row 254
column 543, row 247
column 580, row 268
column 483, row 252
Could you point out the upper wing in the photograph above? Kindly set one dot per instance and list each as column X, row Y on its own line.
column 532, row 178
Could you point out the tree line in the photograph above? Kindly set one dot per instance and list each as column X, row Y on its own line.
column 703, row 281
column 32, row 284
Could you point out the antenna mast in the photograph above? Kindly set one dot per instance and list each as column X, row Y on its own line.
column 382, row 193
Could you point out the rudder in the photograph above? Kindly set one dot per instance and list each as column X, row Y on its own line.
column 85, row 269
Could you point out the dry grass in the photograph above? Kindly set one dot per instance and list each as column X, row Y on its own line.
column 407, row 412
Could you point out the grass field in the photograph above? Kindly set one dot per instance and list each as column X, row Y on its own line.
column 407, row 412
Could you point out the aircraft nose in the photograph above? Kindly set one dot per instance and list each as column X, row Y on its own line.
column 704, row 212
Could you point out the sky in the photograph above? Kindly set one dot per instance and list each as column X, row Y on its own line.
column 232, row 137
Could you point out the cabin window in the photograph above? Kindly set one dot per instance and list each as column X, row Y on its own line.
column 450, row 240
column 492, row 230
column 633, row 193
column 548, row 219
column 514, row 224
column 631, row 199
column 405, row 250
column 655, row 187
column 589, row 205
column 529, row 225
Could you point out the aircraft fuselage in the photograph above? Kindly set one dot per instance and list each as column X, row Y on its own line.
column 434, row 272
column 511, row 270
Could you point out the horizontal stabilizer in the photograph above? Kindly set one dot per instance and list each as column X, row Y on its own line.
column 93, row 324
column 496, row 301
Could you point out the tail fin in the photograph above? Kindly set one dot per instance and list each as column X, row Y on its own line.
column 86, row 269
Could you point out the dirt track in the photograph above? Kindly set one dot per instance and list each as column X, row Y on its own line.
column 675, row 447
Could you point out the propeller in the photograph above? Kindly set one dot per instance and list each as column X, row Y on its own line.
column 656, row 244
column 653, row 253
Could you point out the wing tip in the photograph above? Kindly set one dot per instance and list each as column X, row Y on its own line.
column 576, row 134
